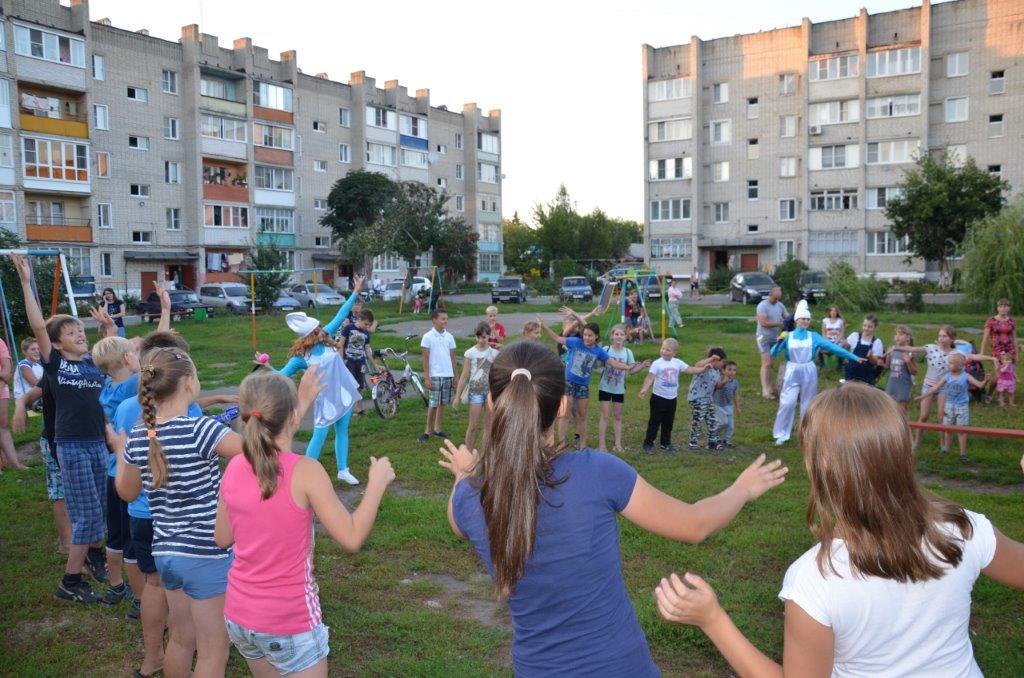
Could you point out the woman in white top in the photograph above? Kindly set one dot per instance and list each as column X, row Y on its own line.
column 887, row 591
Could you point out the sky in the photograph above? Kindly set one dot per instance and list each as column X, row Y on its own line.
column 566, row 74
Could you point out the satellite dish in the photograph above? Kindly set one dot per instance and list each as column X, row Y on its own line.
column 431, row 158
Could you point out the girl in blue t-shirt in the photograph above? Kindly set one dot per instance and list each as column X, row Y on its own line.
column 545, row 525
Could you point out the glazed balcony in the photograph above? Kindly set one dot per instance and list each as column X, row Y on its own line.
column 64, row 126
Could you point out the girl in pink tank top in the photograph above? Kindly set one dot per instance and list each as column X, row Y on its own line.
column 269, row 497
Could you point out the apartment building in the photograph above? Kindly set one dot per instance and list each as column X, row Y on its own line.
column 788, row 142
column 143, row 158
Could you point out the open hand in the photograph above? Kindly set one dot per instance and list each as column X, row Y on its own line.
column 100, row 315
column 161, row 292
column 358, row 281
column 761, row 476
column 459, row 460
column 380, row 471
column 311, row 384
column 21, row 266
column 688, row 600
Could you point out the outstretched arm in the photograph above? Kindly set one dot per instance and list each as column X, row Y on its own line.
column 346, row 308
column 165, row 306
column 294, row 364
column 824, row 344
column 35, row 315
column 557, row 338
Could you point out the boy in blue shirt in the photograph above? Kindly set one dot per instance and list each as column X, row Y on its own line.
column 957, row 409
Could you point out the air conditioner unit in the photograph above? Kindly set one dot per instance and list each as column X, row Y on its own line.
column 815, row 130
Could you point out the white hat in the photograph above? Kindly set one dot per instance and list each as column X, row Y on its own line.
column 802, row 311
column 301, row 324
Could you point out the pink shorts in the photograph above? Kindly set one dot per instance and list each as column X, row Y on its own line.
column 1006, row 386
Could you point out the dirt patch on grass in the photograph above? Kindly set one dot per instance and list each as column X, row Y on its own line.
column 937, row 480
column 29, row 631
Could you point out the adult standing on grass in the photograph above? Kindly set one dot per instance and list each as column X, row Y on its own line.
column 544, row 525
column 695, row 283
column 770, row 313
column 675, row 295
column 887, row 590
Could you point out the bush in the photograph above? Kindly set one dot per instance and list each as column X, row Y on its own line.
column 563, row 267
column 787, row 276
column 718, row 279
column 993, row 265
column 852, row 293
column 913, row 297
column 544, row 287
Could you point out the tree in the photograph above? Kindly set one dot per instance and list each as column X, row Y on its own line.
column 787, row 276
column 355, row 204
column 411, row 221
column 564, row 233
column 267, row 257
column 43, row 269
column 938, row 204
column 456, row 249
column 522, row 249
column 993, row 266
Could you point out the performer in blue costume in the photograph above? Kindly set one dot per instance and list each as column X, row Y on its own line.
column 334, row 405
column 800, row 347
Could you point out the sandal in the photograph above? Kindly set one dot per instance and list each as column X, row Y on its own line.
column 618, row 449
column 139, row 674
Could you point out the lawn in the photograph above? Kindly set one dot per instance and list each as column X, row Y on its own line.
column 415, row 602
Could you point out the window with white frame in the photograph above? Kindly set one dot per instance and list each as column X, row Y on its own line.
column 442, row 149
column 271, row 96
column 381, row 117
column 787, row 84
column 997, row 82
column 138, row 143
column 320, row 204
column 386, row 262
column 884, row 242
column 787, row 166
column 380, row 154
column 879, row 196
column 138, row 190
column 103, row 164
column 265, row 134
column 721, row 212
column 995, row 125
column 458, row 141
column 785, row 250
column 995, row 170
column 106, row 265
column 670, row 168
column 720, row 92
column 442, row 182
column 787, row 126
column 169, row 82
column 344, row 117
column 832, row 244
column 54, row 159
column 171, row 130
column 138, row 94
column 172, row 172
column 720, row 132
column 460, row 171
column 101, row 116
column 670, row 248
column 319, row 126
column 8, row 212
column 488, row 142
column 274, row 178
column 414, row 158
column 833, row 112
column 956, row 64
column 753, row 108
column 49, row 46
column 6, row 150
column 322, row 242
column 753, row 149
column 411, row 126
column 218, row 88
column 225, row 216
column 753, row 189
column 217, row 127
column 489, row 232
column 891, row 152
column 833, row 68
column 99, row 67
column 172, row 218
column 103, row 219
column 956, row 109
column 833, row 200
column 142, row 237
column 832, row 157
column 460, row 203
column 720, row 170
column 344, row 153
column 672, row 209
column 787, row 209
column 79, row 260
column 957, row 154
column 665, row 90
column 670, row 130
column 319, row 165
column 274, row 219
column 896, row 106
column 487, row 172
column 489, row 262
column 900, row 61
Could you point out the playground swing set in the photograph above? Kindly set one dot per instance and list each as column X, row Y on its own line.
column 60, row 274
column 616, row 293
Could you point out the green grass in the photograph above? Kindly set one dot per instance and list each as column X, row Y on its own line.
column 412, row 602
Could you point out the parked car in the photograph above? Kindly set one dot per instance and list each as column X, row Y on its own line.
column 310, row 295
column 575, row 287
column 286, row 303
column 393, row 291
column 232, row 296
column 420, row 283
column 184, row 304
column 509, row 289
column 750, row 287
column 651, row 286
column 813, row 285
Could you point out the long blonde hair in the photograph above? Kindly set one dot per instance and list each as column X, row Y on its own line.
column 266, row 401
column 163, row 372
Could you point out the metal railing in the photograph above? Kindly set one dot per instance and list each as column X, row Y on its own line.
column 51, row 220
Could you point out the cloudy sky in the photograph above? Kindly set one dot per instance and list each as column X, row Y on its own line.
column 565, row 73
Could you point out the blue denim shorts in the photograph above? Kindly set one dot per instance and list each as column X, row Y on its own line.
column 201, row 578
column 477, row 398
column 287, row 654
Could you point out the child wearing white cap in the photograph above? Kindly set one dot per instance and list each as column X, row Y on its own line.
column 801, row 378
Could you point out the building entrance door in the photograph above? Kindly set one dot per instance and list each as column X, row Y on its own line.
column 718, row 259
column 748, row 262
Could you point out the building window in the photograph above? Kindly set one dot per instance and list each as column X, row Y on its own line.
column 228, row 129
column 832, row 157
column 274, row 220
column 674, row 209
column 40, row 44
column 753, row 228
column 344, row 153
column 172, row 172
column 319, row 165
column 890, row 152
column 138, row 190
column 720, row 170
column 411, row 158
column 142, row 237
column 787, row 126
column 458, row 141
column 411, row 126
column 753, row 149
column 106, row 265
column 996, row 82
column 344, row 117
column 169, row 80
column 442, row 182
column 884, row 242
column 8, row 214
column 670, row 168
column 103, row 219
column 442, row 149
column 274, row 178
column 785, row 250
column 832, row 244
column 894, row 62
column 173, row 218
column 380, row 154
column 833, row 112
column 720, row 132
column 460, row 171
column 319, row 126
column 787, row 84
column 995, row 170
column 460, row 203
column 956, row 64
column 752, row 189
column 101, row 116
column 670, row 248
column 670, row 130
column 322, row 242
column 787, row 167
column 487, row 172
column 138, row 94
column 878, row 197
column 272, row 96
column 720, row 92
column 833, row 68
column 833, row 199
column 488, row 142
column 53, row 159
column 99, row 67
column 264, row 134
column 218, row 88
column 380, row 117
column 753, row 108
column 721, row 210
column 6, row 150
column 79, row 260
column 995, row 125
column 665, row 90
column 787, row 209
column 103, row 164
column 490, row 262
column 320, row 204
column 138, row 143
column 227, row 216
column 894, row 106
column 956, row 109
column 171, row 129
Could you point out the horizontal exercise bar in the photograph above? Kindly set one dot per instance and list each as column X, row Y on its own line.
column 972, row 430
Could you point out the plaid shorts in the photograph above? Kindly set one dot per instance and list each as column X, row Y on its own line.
column 957, row 415
column 440, row 391
column 577, row 391
column 54, row 482
column 83, row 467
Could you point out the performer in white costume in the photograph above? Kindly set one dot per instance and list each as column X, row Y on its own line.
column 800, row 347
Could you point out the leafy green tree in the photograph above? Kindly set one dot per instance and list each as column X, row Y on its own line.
column 456, row 249
column 522, row 248
column 787, row 276
column 355, row 205
column 850, row 292
column 267, row 257
column 564, row 233
column 993, row 266
column 411, row 222
column 43, row 269
column 939, row 201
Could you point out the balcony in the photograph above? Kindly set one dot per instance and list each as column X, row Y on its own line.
column 283, row 240
column 224, row 182
column 43, row 228
column 64, row 126
column 227, row 106
column 224, row 148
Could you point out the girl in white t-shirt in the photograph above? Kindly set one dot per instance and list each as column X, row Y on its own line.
column 832, row 328
column 473, row 384
column 886, row 592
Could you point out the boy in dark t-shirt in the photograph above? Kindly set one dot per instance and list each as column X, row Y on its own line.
column 354, row 345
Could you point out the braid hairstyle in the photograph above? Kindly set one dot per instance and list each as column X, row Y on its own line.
column 164, row 371
column 266, row 402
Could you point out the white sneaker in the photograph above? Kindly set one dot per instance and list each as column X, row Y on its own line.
column 347, row 477
column 778, row 442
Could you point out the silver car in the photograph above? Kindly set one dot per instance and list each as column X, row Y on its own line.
column 312, row 295
column 232, row 296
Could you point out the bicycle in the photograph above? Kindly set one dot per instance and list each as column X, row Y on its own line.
column 387, row 391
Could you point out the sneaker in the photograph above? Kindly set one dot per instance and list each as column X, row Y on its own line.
column 694, row 445
column 347, row 477
column 779, row 442
column 98, row 570
column 668, row 448
column 717, row 447
column 80, row 592
column 648, row 449
column 115, row 594
column 424, row 437
column 441, row 434
column 963, row 458
column 134, row 610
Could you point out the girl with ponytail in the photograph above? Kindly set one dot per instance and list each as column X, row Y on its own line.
column 268, row 499
column 544, row 524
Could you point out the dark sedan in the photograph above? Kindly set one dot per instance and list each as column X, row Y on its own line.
column 184, row 304
column 750, row 287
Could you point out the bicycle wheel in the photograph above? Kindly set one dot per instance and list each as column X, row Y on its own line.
column 383, row 400
column 418, row 387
